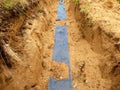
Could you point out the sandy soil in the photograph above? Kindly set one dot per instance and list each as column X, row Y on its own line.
column 36, row 51
column 84, row 61
column 91, row 61
column 99, row 25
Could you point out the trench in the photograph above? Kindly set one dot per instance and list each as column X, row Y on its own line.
column 94, row 58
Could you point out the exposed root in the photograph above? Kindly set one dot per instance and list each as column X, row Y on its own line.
column 8, row 50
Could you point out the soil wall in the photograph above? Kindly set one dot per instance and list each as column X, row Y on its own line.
column 102, row 42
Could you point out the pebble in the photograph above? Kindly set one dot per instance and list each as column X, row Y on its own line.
column 33, row 16
column 44, row 65
column 24, row 27
column 61, row 77
column 8, row 78
column 85, row 81
column 74, row 85
column 28, row 41
column 3, row 30
column 29, row 23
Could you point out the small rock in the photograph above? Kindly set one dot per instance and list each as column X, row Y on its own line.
column 30, row 23
column 61, row 77
column 57, row 19
column 44, row 56
column 74, row 85
column 24, row 27
column 44, row 65
column 3, row 30
column 26, row 88
column 85, row 81
column 28, row 41
column 34, row 85
column 33, row 16
column 30, row 66
column 8, row 78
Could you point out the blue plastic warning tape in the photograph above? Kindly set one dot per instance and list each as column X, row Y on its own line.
column 61, row 12
column 61, row 0
column 60, row 85
column 61, row 52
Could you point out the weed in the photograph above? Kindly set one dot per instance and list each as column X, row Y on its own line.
column 7, row 3
column 84, row 9
column 76, row 1
column 118, row 1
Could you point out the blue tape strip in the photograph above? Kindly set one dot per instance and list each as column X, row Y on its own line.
column 61, row 12
column 60, row 85
column 61, row 0
column 61, row 54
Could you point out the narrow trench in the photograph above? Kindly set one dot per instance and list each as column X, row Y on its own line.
column 88, row 67
column 85, row 62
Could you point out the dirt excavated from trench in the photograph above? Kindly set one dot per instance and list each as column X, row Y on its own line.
column 94, row 53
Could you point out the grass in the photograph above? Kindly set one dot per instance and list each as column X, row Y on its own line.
column 118, row 1
column 76, row 1
column 7, row 3
column 10, row 3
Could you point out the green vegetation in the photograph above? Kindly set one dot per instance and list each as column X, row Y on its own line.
column 84, row 9
column 7, row 3
column 76, row 1
column 118, row 1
